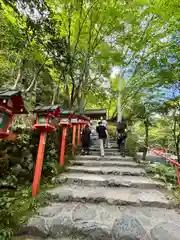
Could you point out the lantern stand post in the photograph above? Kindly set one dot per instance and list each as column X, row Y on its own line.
column 39, row 163
column 63, row 145
column 79, row 133
column 74, row 123
column 74, row 139
column 65, row 122
column 44, row 123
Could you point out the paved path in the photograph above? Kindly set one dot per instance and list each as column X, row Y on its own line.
column 108, row 198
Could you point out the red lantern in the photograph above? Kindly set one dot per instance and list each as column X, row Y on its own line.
column 45, row 116
column 65, row 122
column 44, row 123
column 80, row 121
column 10, row 103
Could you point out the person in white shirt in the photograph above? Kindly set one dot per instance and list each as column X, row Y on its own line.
column 105, row 123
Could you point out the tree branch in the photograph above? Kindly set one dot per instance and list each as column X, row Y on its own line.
column 83, row 21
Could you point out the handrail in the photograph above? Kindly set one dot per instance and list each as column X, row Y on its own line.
column 175, row 164
column 166, row 150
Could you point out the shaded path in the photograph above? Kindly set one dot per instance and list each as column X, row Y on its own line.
column 108, row 198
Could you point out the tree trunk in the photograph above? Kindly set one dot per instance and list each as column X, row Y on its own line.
column 19, row 75
column 82, row 103
column 67, row 100
column 178, row 151
column 175, row 136
column 54, row 95
column 146, row 140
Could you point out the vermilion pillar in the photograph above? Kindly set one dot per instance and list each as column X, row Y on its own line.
column 79, row 134
column 74, row 138
column 39, row 163
column 63, row 145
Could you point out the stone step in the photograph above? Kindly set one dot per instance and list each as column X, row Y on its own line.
column 40, row 238
column 106, row 150
column 109, row 153
column 109, row 180
column 108, row 170
column 96, row 157
column 103, row 222
column 114, row 163
column 113, row 196
column 28, row 238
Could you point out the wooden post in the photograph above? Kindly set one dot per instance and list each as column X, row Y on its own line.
column 74, row 139
column 177, row 174
column 79, row 134
column 39, row 163
column 63, row 145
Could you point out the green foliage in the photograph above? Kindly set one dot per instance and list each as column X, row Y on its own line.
column 132, row 144
column 164, row 172
column 17, row 206
column 112, row 130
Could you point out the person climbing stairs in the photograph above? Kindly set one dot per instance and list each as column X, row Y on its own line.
column 105, row 198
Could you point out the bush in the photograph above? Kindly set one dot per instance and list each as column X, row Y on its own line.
column 132, row 144
column 16, row 207
column 112, row 130
column 163, row 172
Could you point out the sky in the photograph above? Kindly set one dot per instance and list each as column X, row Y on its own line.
column 116, row 70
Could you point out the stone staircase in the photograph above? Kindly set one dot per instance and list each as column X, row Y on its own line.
column 109, row 198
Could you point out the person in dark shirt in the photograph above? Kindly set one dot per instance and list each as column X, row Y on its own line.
column 121, row 136
column 102, row 133
column 85, row 139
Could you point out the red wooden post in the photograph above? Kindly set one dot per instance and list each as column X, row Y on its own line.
column 74, row 138
column 79, row 134
column 44, row 123
column 63, row 145
column 39, row 163
column 177, row 174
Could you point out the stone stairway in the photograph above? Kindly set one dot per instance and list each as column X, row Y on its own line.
column 109, row 198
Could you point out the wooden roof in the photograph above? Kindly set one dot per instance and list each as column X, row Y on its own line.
column 96, row 113
column 46, row 108
column 54, row 109
column 81, row 115
column 8, row 93
column 15, row 96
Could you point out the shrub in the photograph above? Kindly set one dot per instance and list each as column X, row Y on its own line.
column 132, row 144
column 164, row 172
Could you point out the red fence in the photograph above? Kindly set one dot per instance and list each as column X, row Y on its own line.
column 176, row 165
column 160, row 152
